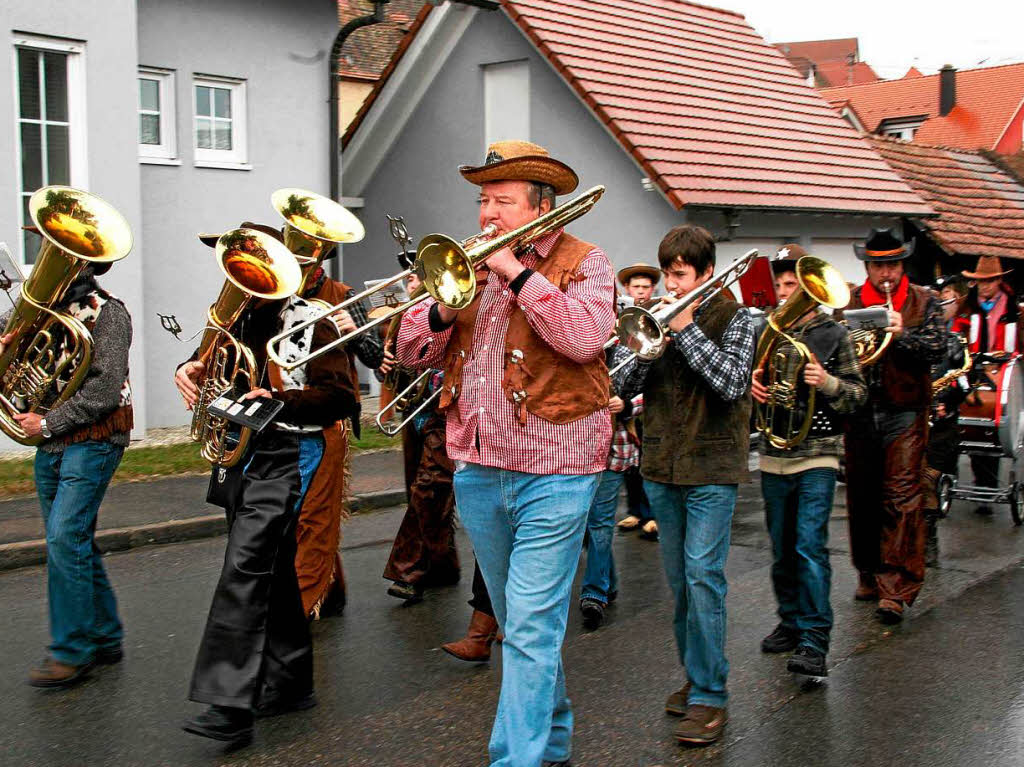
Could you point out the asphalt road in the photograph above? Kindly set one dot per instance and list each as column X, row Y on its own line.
column 945, row 688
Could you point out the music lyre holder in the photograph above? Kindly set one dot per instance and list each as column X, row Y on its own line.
column 399, row 232
column 10, row 274
column 170, row 323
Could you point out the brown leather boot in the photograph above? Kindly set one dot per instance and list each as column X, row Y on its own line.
column 52, row 673
column 475, row 647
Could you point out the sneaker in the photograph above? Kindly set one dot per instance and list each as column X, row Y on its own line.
column 649, row 531
column 593, row 613
column 628, row 524
column 677, row 702
column 223, row 723
column 406, row 591
column 889, row 612
column 701, row 725
column 782, row 639
column 807, row 661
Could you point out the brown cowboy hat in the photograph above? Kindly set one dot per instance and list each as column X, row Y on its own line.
column 211, row 239
column 786, row 258
column 645, row 270
column 988, row 268
column 521, row 161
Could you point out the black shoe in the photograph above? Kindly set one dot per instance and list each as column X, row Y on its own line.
column 782, row 639
column 566, row 763
column 407, row 591
column 612, row 596
column 593, row 613
column 276, row 705
column 808, row 662
column 984, row 510
column 108, row 656
column 230, row 725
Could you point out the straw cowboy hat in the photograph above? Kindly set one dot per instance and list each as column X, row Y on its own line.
column 988, row 268
column 882, row 245
column 521, row 161
column 639, row 270
column 786, row 258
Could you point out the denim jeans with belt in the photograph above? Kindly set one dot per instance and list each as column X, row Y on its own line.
column 83, row 610
column 599, row 578
column 797, row 508
column 694, row 526
column 527, row 531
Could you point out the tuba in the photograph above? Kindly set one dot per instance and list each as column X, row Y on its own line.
column 255, row 265
column 870, row 344
column 48, row 358
column 786, row 417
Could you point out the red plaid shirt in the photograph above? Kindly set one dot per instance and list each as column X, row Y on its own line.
column 482, row 426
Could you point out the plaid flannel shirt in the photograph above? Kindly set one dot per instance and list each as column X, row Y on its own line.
column 624, row 452
column 369, row 347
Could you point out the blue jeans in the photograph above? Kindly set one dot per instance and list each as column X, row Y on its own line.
column 311, row 452
column 599, row 579
column 83, row 610
column 527, row 531
column 694, row 526
column 797, row 508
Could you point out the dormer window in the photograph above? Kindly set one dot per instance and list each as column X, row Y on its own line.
column 903, row 128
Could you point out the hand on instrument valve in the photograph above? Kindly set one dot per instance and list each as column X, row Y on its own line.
column 258, row 393
column 616, row 405
column 4, row 340
column 388, row 364
column 344, row 322
column 505, row 264
column 757, row 389
column 185, row 379
column 814, row 374
column 895, row 324
column 30, row 423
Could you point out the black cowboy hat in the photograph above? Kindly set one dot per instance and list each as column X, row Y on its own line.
column 882, row 245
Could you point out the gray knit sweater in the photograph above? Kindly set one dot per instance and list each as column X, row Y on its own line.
column 100, row 392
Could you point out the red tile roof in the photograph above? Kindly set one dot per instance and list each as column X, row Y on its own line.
column 831, row 60
column 368, row 50
column 980, row 204
column 714, row 115
column 987, row 99
column 841, row 73
column 822, row 50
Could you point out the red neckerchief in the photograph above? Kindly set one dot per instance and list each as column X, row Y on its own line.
column 871, row 297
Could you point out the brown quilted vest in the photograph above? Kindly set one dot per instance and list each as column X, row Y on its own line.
column 537, row 378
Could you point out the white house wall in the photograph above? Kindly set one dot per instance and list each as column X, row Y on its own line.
column 419, row 178
column 107, row 29
column 279, row 49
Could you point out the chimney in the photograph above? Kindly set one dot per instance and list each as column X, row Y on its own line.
column 947, row 89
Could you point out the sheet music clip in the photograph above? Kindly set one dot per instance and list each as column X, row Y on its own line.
column 170, row 323
column 396, row 225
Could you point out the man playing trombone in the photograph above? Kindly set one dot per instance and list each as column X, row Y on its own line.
column 526, row 396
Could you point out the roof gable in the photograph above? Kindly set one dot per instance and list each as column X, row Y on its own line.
column 986, row 100
column 713, row 114
column 980, row 203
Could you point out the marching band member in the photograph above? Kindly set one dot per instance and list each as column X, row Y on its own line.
column 83, row 441
column 325, row 469
column 424, row 550
column 885, row 439
column 696, row 441
column 639, row 280
column 526, row 393
column 942, row 450
column 798, row 483
column 255, row 657
column 995, row 327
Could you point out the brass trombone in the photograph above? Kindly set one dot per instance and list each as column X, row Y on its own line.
column 405, row 399
column 645, row 331
column 447, row 268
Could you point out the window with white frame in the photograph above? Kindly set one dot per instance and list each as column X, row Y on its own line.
column 50, row 117
column 157, row 140
column 903, row 128
column 219, row 122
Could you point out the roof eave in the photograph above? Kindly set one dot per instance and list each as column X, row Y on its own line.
column 810, row 211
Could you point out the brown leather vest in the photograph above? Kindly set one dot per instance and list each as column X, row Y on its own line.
column 537, row 378
column 900, row 378
column 334, row 292
column 691, row 435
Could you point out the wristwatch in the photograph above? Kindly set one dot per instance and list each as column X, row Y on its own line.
column 46, row 432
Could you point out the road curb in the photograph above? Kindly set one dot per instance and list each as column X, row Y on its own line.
column 28, row 553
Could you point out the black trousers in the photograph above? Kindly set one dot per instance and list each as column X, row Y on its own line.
column 257, row 643
column 481, row 599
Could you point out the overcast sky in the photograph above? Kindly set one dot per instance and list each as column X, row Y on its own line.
column 895, row 34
